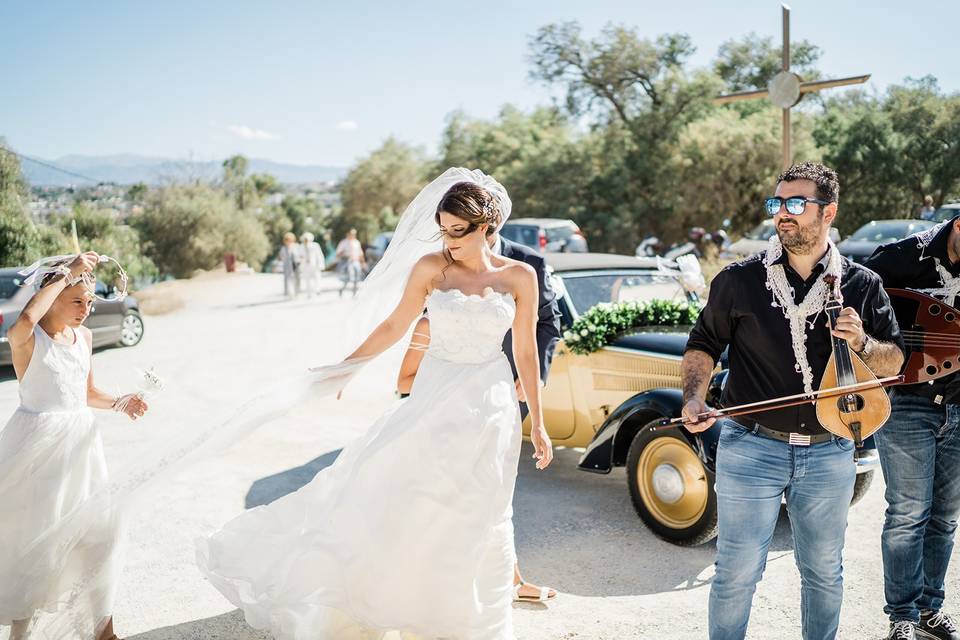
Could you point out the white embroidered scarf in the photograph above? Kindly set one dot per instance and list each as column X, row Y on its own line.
column 950, row 284
column 796, row 314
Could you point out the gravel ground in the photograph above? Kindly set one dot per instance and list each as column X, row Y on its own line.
column 576, row 532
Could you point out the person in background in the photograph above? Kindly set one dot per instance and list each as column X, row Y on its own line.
column 352, row 261
column 920, row 452
column 291, row 256
column 313, row 262
column 927, row 210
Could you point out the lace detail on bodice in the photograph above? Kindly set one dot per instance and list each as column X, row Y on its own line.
column 468, row 328
column 56, row 378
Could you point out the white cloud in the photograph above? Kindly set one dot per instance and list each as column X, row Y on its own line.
column 249, row 133
column 348, row 125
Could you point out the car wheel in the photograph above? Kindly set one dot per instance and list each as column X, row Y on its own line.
column 671, row 488
column 131, row 329
column 861, row 485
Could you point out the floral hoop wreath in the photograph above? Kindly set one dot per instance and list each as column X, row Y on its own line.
column 59, row 264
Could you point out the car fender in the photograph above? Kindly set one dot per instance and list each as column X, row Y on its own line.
column 609, row 446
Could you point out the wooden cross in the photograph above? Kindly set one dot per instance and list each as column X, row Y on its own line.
column 786, row 88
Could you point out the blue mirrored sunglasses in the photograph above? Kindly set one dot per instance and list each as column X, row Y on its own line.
column 795, row 206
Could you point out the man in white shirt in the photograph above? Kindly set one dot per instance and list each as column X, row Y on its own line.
column 313, row 263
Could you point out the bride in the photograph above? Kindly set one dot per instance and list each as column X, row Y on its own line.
column 411, row 528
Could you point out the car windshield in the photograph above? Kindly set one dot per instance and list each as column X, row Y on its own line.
column 946, row 213
column 9, row 285
column 559, row 233
column 586, row 291
column 524, row 234
column 889, row 231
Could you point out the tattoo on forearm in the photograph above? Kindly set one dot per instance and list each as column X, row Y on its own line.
column 885, row 359
column 695, row 370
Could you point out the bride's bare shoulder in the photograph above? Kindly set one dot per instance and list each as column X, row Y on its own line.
column 431, row 264
column 518, row 274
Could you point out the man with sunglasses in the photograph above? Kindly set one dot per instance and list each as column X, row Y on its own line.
column 920, row 452
column 768, row 310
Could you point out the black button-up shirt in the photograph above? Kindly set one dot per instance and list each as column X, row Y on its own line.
column 910, row 263
column 740, row 314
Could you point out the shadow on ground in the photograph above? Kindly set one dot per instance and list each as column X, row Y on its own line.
column 579, row 533
column 228, row 626
column 266, row 490
column 575, row 531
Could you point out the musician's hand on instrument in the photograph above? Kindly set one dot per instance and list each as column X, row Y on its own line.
column 850, row 328
column 694, row 421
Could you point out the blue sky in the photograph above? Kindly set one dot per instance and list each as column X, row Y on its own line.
column 324, row 83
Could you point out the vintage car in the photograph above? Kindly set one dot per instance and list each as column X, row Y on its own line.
column 608, row 402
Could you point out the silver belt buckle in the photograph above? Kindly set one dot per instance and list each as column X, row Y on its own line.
column 799, row 440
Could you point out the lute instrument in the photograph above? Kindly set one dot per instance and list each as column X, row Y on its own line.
column 857, row 414
column 931, row 333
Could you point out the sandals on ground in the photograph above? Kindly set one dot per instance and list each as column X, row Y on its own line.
column 544, row 595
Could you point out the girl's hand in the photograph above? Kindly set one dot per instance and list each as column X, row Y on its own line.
column 84, row 263
column 542, row 447
column 132, row 405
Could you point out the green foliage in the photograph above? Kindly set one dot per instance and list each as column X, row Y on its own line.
column 21, row 241
column 12, row 183
column 275, row 223
column 537, row 157
column 606, row 322
column 379, row 187
column 726, row 163
column 296, row 214
column 640, row 96
column 265, row 184
column 189, row 227
column 245, row 238
column 751, row 61
column 100, row 230
column 305, row 214
column 18, row 236
column 137, row 193
column 639, row 82
column 892, row 150
column 241, row 187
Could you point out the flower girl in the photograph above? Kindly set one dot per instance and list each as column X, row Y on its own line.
column 58, row 531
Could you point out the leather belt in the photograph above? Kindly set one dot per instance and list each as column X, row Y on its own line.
column 790, row 437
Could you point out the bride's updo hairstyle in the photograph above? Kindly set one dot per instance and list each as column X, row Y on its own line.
column 473, row 204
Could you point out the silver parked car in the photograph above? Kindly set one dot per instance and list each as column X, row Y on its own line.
column 861, row 244
column 946, row 212
column 115, row 322
column 547, row 235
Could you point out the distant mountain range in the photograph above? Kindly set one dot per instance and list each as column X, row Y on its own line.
column 129, row 169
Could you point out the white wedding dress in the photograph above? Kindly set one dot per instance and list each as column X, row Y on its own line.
column 411, row 528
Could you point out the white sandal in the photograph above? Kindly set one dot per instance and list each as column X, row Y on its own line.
column 543, row 597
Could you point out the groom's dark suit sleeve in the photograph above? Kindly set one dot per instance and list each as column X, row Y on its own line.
column 548, row 321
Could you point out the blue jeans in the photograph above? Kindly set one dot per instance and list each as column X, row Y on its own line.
column 753, row 474
column 920, row 457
